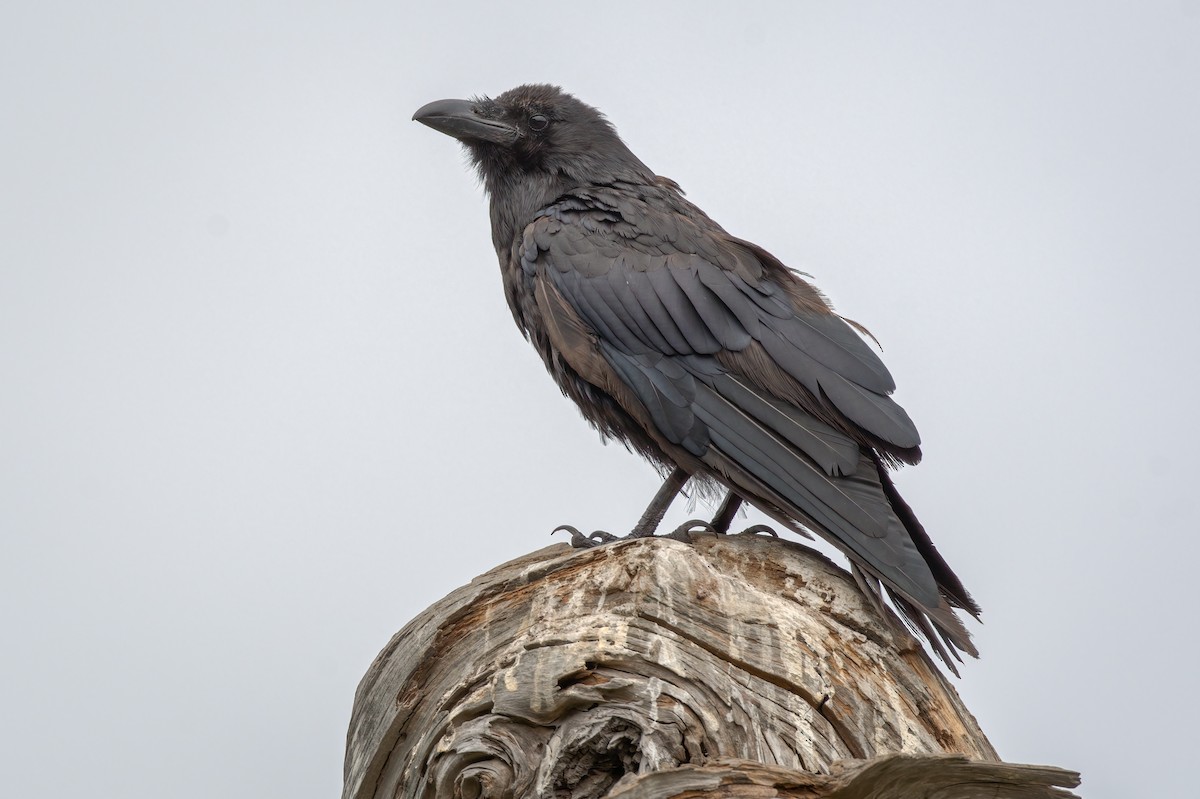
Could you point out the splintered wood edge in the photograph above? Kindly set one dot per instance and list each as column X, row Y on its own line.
column 887, row 777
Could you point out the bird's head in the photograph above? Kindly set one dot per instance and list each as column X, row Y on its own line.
column 536, row 132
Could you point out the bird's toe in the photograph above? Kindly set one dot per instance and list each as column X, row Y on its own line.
column 684, row 531
column 757, row 529
column 581, row 541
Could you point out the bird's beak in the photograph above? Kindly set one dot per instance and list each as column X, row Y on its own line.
column 459, row 119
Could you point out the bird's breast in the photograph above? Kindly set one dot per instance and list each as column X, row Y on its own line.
column 571, row 353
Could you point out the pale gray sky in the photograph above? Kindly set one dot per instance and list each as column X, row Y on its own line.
column 262, row 400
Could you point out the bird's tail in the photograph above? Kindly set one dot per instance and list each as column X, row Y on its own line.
column 949, row 584
column 759, row 450
column 940, row 626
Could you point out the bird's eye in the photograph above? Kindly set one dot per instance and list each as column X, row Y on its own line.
column 539, row 122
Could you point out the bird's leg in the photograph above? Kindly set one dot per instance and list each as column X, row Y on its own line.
column 726, row 512
column 658, row 506
column 729, row 509
column 650, row 520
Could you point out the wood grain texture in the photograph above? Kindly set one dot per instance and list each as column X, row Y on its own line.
column 886, row 777
column 599, row 672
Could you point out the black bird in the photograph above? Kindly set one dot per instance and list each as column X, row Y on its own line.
column 697, row 349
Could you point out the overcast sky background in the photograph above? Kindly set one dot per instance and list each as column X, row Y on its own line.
column 261, row 399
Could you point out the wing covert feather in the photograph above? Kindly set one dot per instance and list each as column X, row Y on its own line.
column 683, row 303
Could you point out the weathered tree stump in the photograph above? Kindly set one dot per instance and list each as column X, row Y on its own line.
column 736, row 666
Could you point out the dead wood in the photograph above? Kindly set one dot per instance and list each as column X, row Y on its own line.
column 735, row 666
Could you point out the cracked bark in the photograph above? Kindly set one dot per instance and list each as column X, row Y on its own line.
column 736, row 666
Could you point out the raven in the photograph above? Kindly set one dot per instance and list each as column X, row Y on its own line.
column 699, row 350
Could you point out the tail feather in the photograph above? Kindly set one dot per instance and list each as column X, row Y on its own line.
column 869, row 585
column 765, row 465
column 948, row 582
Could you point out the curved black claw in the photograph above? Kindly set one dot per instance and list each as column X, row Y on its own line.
column 684, row 531
column 759, row 528
column 581, row 541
